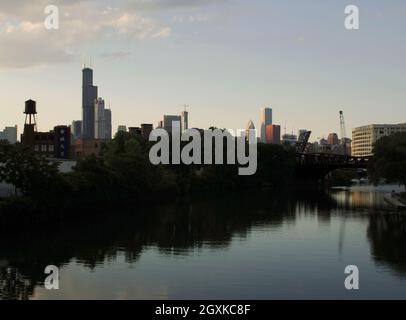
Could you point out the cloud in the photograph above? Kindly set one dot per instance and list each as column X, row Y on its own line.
column 25, row 42
column 117, row 55
column 191, row 18
column 172, row 4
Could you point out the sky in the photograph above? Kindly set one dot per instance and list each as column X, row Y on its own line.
column 225, row 59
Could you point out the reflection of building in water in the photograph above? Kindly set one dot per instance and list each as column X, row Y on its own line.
column 13, row 286
column 387, row 236
column 360, row 199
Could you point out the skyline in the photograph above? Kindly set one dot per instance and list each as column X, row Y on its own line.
column 154, row 65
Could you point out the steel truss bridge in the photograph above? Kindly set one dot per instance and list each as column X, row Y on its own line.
column 316, row 166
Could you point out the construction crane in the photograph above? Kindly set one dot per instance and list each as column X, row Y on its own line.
column 343, row 132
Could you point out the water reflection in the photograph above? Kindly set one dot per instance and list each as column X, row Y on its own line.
column 183, row 228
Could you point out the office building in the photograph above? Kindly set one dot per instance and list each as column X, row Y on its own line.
column 185, row 121
column 99, row 119
column 170, row 122
column 108, row 129
column 364, row 138
column 266, row 120
column 273, row 134
column 9, row 134
column 250, row 127
column 146, row 130
column 76, row 129
column 102, row 121
column 333, row 139
column 89, row 96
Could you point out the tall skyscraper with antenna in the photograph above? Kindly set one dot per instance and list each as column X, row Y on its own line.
column 89, row 96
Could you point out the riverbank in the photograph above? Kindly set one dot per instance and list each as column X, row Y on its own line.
column 396, row 200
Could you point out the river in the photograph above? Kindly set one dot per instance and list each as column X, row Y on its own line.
column 268, row 245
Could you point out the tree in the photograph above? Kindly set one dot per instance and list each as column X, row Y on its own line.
column 29, row 173
column 389, row 161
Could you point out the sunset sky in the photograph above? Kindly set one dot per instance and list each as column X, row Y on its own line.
column 226, row 59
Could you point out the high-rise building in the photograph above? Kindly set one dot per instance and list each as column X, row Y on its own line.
column 9, row 134
column 89, row 96
column 170, row 122
column 266, row 120
column 76, row 129
column 102, row 121
column 364, row 138
column 250, row 127
column 99, row 119
column 185, row 121
column 146, row 130
column 273, row 134
column 108, row 131
column 333, row 139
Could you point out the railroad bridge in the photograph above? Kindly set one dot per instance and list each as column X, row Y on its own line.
column 310, row 166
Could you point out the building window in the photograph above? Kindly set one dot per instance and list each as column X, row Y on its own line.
column 51, row 148
column 43, row 148
column 36, row 148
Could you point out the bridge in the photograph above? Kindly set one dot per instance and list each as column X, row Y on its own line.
column 316, row 166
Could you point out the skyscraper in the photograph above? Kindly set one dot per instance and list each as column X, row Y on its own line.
column 170, row 122
column 273, row 134
column 76, row 129
column 89, row 96
column 333, row 139
column 99, row 119
column 266, row 120
column 185, row 120
column 108, row 127
column 248, row 137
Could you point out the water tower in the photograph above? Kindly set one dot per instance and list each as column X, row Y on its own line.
column 30, row 112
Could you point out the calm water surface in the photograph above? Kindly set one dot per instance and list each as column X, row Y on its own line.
column 264, row 246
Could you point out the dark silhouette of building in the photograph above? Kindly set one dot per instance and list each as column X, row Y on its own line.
column 89, row 96
column 54, row 144
column 146, row 130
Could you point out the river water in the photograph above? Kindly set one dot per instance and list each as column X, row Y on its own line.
column 271, row 245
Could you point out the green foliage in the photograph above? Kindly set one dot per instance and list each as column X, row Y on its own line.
column 276, row 167
column 122, row 173
column 389, row 161
column 31, row 174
